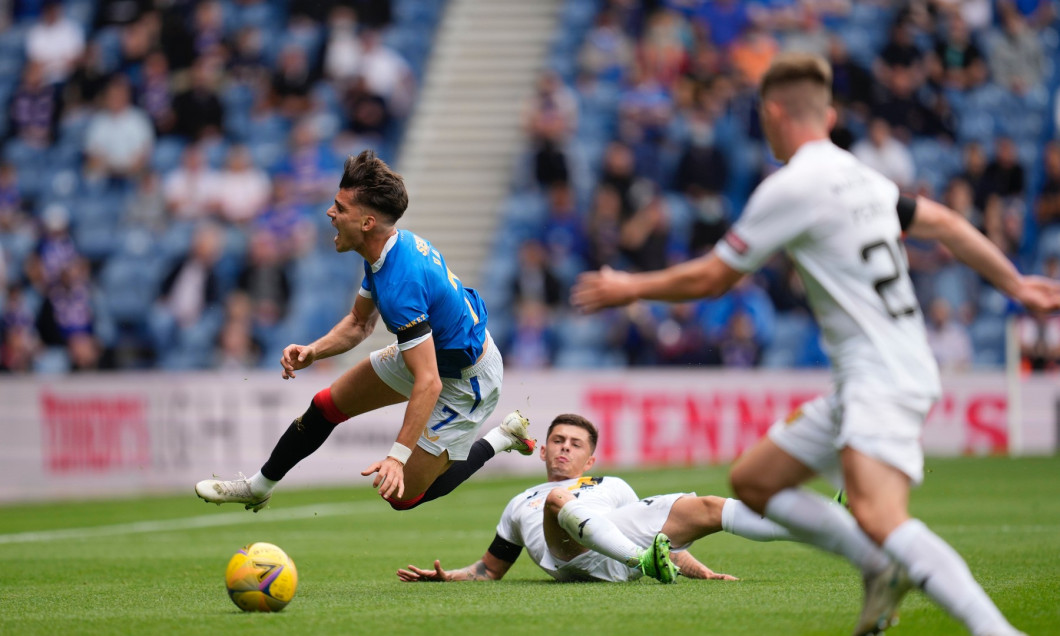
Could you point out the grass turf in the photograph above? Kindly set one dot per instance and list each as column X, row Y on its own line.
column 1000, row 514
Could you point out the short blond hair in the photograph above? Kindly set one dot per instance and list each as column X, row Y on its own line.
column 802, row 82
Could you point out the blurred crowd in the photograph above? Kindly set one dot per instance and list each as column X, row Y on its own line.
column 645, row 144
column 166, row 166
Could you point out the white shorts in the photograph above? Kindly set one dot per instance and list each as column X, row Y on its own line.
column 463, row 406
column 877, row 425
column 640, row 522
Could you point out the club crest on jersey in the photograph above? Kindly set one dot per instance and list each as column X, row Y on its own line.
column 585, row 482
column 736, row 243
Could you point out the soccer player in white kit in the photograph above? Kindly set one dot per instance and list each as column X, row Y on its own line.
column 581, row 528
column 841, row 224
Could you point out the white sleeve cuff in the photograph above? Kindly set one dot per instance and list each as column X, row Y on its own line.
column 364, row 293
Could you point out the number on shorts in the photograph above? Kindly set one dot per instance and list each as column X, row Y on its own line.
column 452, row 416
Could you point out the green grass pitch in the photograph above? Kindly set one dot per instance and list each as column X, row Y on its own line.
column 156, row 566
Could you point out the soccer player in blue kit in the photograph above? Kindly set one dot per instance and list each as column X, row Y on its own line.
column 444, row 363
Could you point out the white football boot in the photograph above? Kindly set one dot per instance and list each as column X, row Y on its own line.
column 516, row 427
column 221, row 491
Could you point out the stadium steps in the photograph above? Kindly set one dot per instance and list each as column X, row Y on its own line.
column 465, row 134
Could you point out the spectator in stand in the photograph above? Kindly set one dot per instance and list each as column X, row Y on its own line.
column 897, row 103
column 533, row 343
column 679, row 338
column 89, row 78
column 1047, row 207
column 645, row 109
column 977, row 14
column 236, row 346
column 1004, row 175
column 1017, row 61
column 387, row 74
column 34, row 108
column 138, row 40
column 726, row 19
column 607, row 51
column 190, row 289
column 534, row 280
column 852, row 84
column 619, row 173
column 885, row 154
column 155, row 95
column 246, row 63
column 551, row 117
column 286, row 219
column 309, row 166
column 900, row 52
column 644, row 237
column 291, row 81
column 702, row 175
column 208, row 28
column 66, row 317
column 265, row 281
column 603, row 228
column 974, row 172
column 1003, row 224
column 55, row 42
column 739, row 347
column 120, row 137
column 808, row 34
column 243, row 188
column 18, row 337
column 55, row 250
column 956, row 61
column 198, row 109
column 367, row 116
column 949, row 339
column 147, row 205
column 662, row 47
column 342, row 51
column 192, row 190
column 751, row 54
column 562, row 234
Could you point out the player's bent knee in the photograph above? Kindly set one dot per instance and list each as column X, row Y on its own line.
column 877, row 521
column 556, row 499
column 405, row 504
column 753, row 494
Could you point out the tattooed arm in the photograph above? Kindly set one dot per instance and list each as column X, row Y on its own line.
column 488, row 568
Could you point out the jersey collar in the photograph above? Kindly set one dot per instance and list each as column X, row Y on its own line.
column 390, row 242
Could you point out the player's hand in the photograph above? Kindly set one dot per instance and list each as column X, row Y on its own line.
column 1039, row 294
column 594, row 291
column 415, row 574
column 296, row 357
column 391, row 478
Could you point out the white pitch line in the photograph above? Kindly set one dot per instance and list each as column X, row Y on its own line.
column 187, row 523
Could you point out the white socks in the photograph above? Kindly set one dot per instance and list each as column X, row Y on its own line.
column 738, row 519
column 944, row 576
column 498, row 439
column 813, row 519
column 261, row 486
column 597, row 532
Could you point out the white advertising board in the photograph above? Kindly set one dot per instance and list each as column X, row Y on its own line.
column 120, row 434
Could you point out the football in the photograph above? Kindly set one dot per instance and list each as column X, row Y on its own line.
column 261, row 578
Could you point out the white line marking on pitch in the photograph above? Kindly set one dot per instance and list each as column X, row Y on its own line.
column 188, row 523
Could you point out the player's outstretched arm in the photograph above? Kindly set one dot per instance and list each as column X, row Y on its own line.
column 704, row 277
column 933, row 220
column 488, row 568
column 347, row 334
column 693, row 568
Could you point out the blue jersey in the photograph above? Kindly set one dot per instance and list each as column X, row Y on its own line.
column 417, row 296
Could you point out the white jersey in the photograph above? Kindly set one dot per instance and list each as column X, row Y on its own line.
column 523, row 518
column 836, row 218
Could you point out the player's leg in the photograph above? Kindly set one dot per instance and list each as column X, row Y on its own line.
column 571, row 528
column 692, row 518
column 767, row 477
column 878, row 495
column 464, row 405
column 358, row 390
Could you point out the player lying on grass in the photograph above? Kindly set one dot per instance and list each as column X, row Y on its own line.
column 581, row 528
